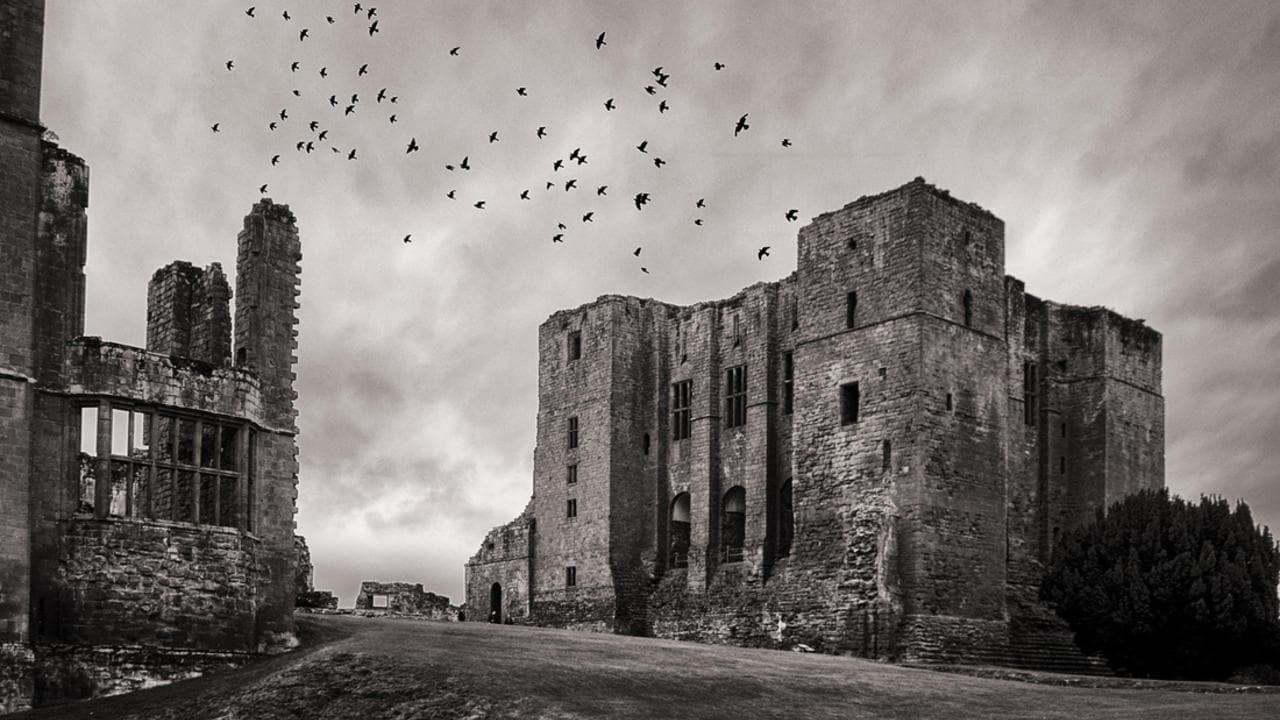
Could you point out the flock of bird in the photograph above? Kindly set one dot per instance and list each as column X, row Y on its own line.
column 319, row 135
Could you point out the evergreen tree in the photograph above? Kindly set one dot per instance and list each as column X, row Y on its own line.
column 1166, row 588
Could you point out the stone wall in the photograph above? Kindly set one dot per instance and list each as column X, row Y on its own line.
column 189, row 313
column 73, row 672
column 503, row 560
column 402, row 598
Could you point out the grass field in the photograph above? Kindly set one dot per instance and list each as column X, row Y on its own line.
column 374, row 668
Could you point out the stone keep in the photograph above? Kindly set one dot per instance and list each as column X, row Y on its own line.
column 872, row 455
column 147, row 496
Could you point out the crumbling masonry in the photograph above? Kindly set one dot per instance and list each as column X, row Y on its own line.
column 147, row 497
column 873, row 455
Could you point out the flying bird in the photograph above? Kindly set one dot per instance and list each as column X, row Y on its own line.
column 662, row 107
column 659, row 162
column 550, row 184
column 249, row 12
column 524, row 195
column 702, row 202
column 455, row 50
column 373, row 28
column 521, row 92
column 792, row 214
column 493, row 136
column 650, row 89
column 464, row 164
column 333, row 100
column 786, row 142
column 742, row 125
column 542, row 131
column 271, row 125
column 329, row 18
column 214, row 127
column 357, row 10
column 381, row 94
column 372, row 11
column 762, row 253
column 262, row 189
column 296, row 93
column 413, row 146
column 582, row 159
column 284, row 115
column 310, row 146
column 351, row 155
column 323, row 134
column 395, row 98
column 645, row 270
column 573, row 183
column 355, row 98
column 643, row 144
column 275, row 160
column 479, row 205
column 698, row 222
column 662, row 80
column 313, row 125
column 450, row 194
column 588, row 216
column 637, row 252
column 657, row 70
column 285, row 15
column 576, row 152
column 557, row 238
column 719, row 66
column 600, row 41
column 364, row 70
column 555, row 166
column 293, row 66
column 231, row 64
column 324, row 72
column 350, row 109
column 303, row 35
column 393, row 118
column 449, row 168
column 300, row 144
column 407, row 240
column 641, row 199
column 601, row 190
column 608, row 104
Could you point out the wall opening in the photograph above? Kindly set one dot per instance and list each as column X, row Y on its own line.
column 679, row 555
column 950, row 402
column 786, row 519
column 735, row 396
column 1030, row 392
column 733, row 524
column 378, row 601
column 681, row 409
column 886, row 456
column 646, row 443
column 575, row 345
column 788, row 384
column 850, row 309
column 570, row 576
column 849, row 400
column 968, row 307
column 573, row 431
column 495, row 603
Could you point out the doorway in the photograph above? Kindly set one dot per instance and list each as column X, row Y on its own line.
column 495, row 603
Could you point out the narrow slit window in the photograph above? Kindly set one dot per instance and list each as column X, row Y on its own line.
column 849, row 401
column 1030, row 392
column 788, row 383
column 570, row 576
column 571, row 508
column 851, row 310
column 950, row 402
column 737, row 330
column 968, row 307
column 571, row 474
column 575, row 345
column 646, row 443
column 886, row 456
column 573, row 431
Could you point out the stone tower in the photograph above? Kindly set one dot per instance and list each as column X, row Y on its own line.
column 188, row 313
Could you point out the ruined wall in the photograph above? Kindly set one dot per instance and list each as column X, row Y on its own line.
column 402, row 598
column 503, row 560
column 189, row 313
column 303, row 570
column 73, row 672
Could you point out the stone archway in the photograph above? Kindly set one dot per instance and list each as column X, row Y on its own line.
column 495, row 603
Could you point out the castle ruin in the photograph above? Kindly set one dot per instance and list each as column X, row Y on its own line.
column 873, row 455
column 147, row 496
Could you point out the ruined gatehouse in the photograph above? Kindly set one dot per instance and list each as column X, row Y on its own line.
column 873, row 455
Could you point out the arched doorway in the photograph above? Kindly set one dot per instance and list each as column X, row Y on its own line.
column 495, row 603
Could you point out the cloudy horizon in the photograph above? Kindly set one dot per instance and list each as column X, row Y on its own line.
column 1132, row 150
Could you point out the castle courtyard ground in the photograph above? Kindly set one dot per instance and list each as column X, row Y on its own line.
column 355, row 667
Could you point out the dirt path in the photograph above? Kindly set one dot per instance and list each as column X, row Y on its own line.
column 385, row 668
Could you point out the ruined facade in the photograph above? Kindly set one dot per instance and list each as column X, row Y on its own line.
column 147, row 496
column 402, row 598
column 872, row 455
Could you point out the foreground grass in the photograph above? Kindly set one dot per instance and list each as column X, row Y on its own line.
column 398, row 669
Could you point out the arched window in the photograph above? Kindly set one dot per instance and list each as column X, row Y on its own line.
column 968, row 307
column 733, row 523
column 786, row 519
column 680, row 531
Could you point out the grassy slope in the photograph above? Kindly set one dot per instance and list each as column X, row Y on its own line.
column 384, row 668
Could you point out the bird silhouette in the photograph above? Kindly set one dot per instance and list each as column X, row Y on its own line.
column 310, row 146
column 275, row 160
column 550, row 184
column 762, row 253
column 231, row 64
column 786, row 142
column 373, row 28
column 323, row 134
column 524, row 195
column 324, row 72
column 300, row 144
column 698, row 222
column 608, row 104
column 645, row 270
column 372, row 11
column 600, row 41
column 413, row 146
column 662, row 80
column 407, row 240
column 576, row 152
column 293, row 66
column 588, row 217
column 479, row 205
column 650, row 89
column 329, row 18
column 643, row 144
column 719, row 66
column 335, row 150
column 333, row 100
column 562, row 226
column 662, row 107
column 304, row 34
column 557, row 238
column 573, row 183
column 493, row 136
column 455, row 50
column 285, row 15
column 392, row 118
column 271, row 125
column 364, row 70
column 313, row 125
column 641, row 199
column 657, row 70
column 659, row 162
column 555, row 166
column 542, row 131
column 351, row 155
column 355, row 98
column 582, row 159
column 395, row 98
column 358, row 8
column 262, row 189
column 450, row 194
column 284, row 115
column 601, row 190
column 742, row 125
column 214, row 127
column 637, row 252
column 296, row 93
column 522, row 92
column 249, row 12
column 381, row 94
column 350, row 109
column 792, row 214
column 464, row 164
column 702, row 202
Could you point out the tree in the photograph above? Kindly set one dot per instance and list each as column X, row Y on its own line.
column 1166, row 588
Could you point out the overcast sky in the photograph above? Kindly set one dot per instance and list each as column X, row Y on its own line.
column 1132, row 149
